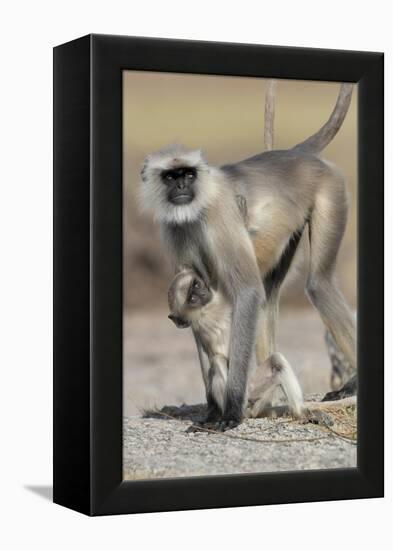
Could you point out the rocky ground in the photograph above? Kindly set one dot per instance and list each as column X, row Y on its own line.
column 161, row 373
column 159, row 445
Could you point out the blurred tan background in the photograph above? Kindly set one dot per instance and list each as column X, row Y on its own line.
column 223, row 116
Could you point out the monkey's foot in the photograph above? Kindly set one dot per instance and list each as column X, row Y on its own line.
column 213, row 416
column 224, row 424
column 210, row 423
column 347, row 390
column 228, row 425
column 214, row 423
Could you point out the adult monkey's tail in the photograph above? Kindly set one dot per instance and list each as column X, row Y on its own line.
column 318, row 141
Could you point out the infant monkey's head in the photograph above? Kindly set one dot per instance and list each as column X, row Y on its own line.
column 187, row 294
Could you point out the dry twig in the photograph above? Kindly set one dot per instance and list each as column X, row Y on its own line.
column 257, row 440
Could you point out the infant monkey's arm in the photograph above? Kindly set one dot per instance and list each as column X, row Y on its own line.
column 218, row 374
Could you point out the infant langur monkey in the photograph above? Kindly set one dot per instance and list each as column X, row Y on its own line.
column 193, row 303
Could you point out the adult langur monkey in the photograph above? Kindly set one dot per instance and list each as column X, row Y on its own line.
column 286, row 191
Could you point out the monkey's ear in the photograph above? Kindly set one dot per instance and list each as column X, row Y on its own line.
column 144, row 168
column 179, row 322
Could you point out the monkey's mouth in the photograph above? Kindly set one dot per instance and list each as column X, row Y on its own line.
column 181, row 199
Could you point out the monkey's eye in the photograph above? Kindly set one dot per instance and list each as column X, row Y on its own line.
column 193, row 298
column 196, row 284
column 168, row 177
column 190, row 176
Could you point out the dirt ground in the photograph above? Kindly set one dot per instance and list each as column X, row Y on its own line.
column 159, row 446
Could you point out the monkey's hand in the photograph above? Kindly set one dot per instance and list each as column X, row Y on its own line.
column 209, row 423
column 213, row 413
column 217, row 425
column 225, row 423
column 228, row 424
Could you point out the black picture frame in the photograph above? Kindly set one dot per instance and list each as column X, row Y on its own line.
column 88, row 284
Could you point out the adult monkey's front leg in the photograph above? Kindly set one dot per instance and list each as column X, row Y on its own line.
column 267, row 326
column 244, row 322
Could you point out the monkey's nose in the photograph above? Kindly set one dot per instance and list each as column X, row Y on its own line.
column 180, row 184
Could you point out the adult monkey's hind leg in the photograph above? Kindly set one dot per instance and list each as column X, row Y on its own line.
column 327, row 227
column 272, row 282
column 276, row 373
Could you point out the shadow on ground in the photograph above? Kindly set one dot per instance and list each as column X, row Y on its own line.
column 44, row 491
column 190, row 413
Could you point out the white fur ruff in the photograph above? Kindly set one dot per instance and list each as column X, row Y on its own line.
column 152, row 193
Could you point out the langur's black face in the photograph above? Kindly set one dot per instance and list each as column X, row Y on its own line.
column 180, row 184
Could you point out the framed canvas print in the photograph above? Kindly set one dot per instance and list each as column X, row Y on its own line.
column 218, row 275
